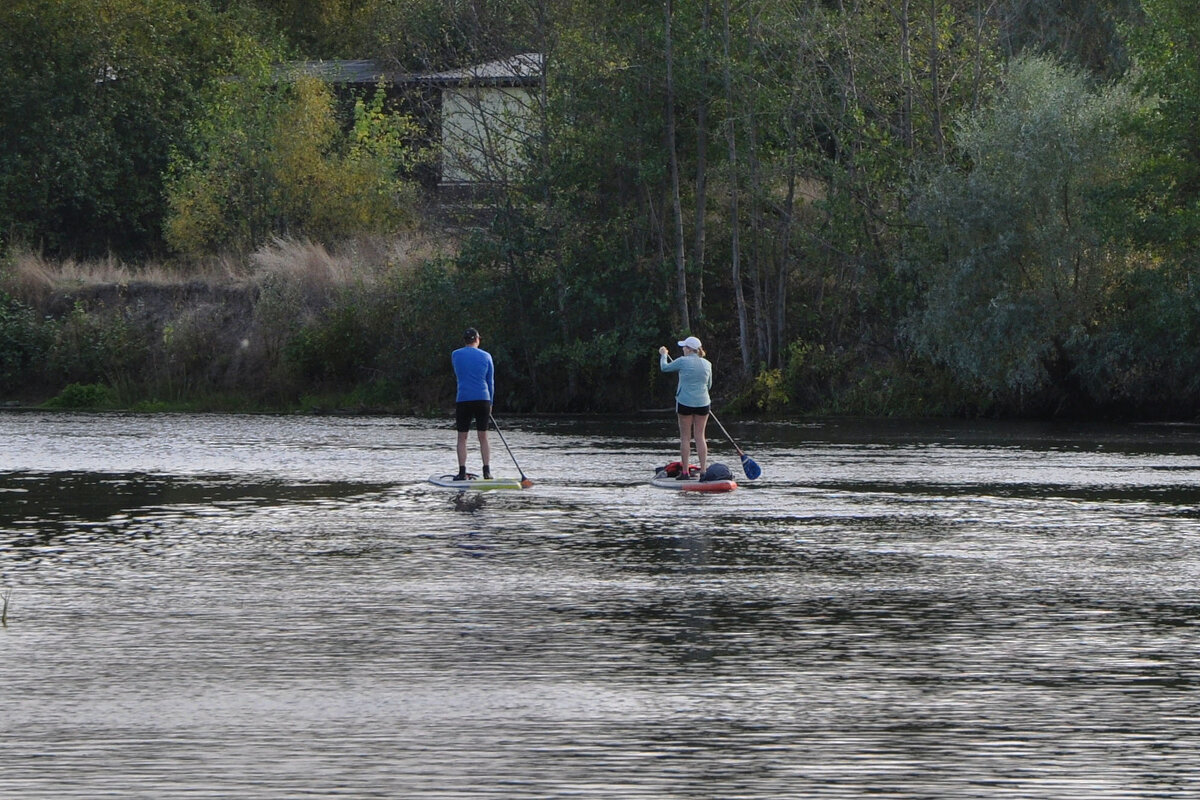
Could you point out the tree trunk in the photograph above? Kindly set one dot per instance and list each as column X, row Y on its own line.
column 699, row 234
column 735, row 261
column 906, row 113
column 786, row 223
column 762, row 337
column 935, row 81
column 676, row 205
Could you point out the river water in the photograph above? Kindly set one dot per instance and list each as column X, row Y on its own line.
column 280, row 607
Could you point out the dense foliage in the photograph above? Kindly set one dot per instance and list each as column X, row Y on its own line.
column 863, row 206
column 1018, row 275
column 94, row 95
column 272, row 160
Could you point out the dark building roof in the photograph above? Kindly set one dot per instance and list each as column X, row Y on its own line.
column 524, row 69
column 360, row 71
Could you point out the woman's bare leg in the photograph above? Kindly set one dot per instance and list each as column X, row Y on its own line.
column 700, row 422
column 685, row 440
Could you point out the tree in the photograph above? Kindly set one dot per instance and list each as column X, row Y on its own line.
column 1020, row 270
column 94, row 94
column 1166, row 207
column 1084, row 33
column 272, row 160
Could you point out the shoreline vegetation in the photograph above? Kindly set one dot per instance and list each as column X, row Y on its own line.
column 284, row 330
column 295, row 327
column 360, row 329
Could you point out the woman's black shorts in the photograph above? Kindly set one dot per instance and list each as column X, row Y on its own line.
column 479, row 411
column 691, row 411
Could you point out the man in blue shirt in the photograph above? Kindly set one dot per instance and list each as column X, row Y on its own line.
column 476, row 388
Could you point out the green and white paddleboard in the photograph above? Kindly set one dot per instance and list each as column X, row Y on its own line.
column 474, row 484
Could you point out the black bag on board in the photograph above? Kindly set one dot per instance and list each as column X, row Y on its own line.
column 717, row 472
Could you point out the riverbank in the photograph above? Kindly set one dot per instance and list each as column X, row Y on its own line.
column 296, row 327
column 299, row 327
column 290, row 328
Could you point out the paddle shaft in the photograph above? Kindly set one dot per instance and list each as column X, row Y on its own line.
column 740, row 452
column 524, row 481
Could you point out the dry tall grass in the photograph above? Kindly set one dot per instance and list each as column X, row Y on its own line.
column 32, row 277
column 303, row 262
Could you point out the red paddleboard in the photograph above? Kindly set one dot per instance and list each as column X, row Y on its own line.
column 693, row 484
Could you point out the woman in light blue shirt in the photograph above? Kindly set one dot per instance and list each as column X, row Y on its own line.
column 691, row 400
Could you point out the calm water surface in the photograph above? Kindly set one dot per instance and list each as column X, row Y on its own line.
column 281, row 607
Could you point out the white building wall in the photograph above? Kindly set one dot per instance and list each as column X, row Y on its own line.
column 483, row 133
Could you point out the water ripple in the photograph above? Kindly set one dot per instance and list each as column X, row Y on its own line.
column 281, row 608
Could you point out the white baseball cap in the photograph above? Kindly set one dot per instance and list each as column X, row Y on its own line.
column 690, row 342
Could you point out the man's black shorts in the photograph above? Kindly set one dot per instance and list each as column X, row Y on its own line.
column 478, row 410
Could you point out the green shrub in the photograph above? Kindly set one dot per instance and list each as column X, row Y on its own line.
column 194, row 352
column 335, row 348
column 272, row 159
column 23, row 344
column 84, row 396
column 768, row 392
column 96, row 346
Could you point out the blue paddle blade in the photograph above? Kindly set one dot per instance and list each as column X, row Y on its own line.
column 750, row 467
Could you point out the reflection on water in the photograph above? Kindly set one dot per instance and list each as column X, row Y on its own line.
column 262, row 607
